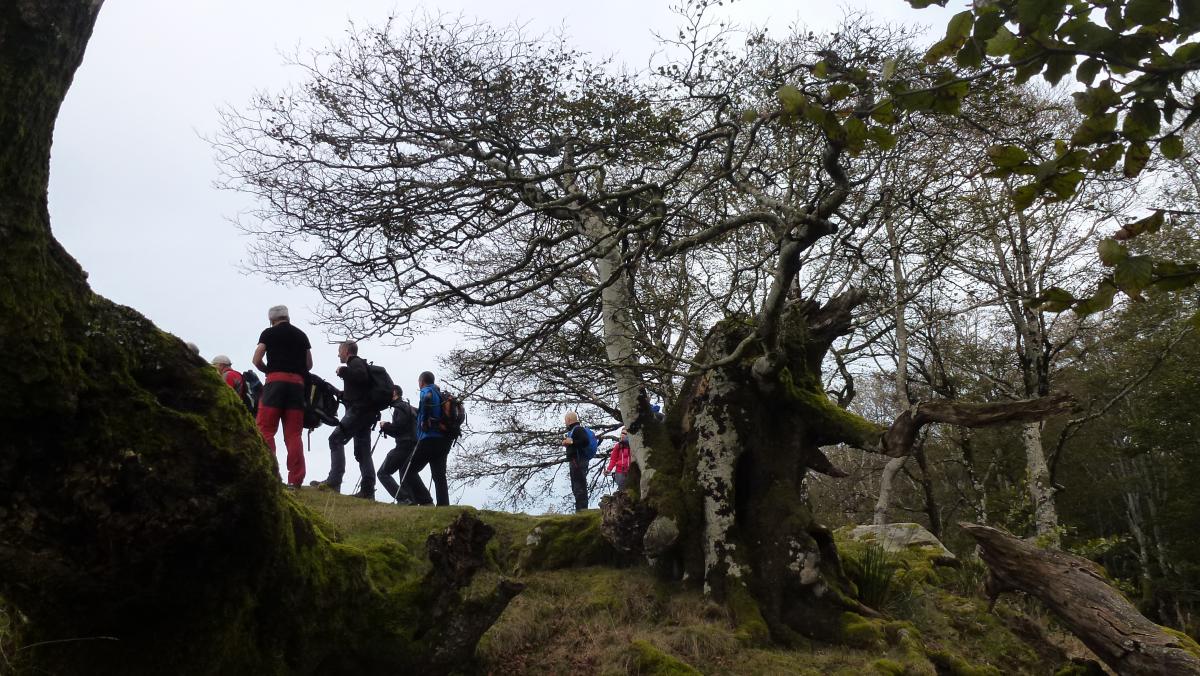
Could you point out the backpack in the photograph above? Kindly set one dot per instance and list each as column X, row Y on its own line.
column 454, row 416
column 593, row 446
column 320, row 403
column 379, row 390
column 253, row 390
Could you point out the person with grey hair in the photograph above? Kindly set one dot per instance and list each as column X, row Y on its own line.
column 232, row 378
column 288, row 359
column 356, row 424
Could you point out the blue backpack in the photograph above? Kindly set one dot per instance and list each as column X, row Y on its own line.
column 593, row 444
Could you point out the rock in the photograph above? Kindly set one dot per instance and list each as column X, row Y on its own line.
column 897, row 537
column 660, row 537
column 624, row 521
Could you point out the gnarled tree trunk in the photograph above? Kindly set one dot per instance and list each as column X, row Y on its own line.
column 143, row 528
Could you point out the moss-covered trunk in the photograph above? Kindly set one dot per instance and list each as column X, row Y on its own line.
column 732, row 460
column 142, row 525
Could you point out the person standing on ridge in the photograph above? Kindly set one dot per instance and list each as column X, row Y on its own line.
column 618, row 461
column 433, row 447
column 576, row 442
column 356, row 424
column 402, row 428
column 288, row 359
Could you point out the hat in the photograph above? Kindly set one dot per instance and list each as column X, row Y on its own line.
column 221, row 359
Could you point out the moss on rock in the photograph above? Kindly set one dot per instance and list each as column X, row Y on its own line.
column 650, row 661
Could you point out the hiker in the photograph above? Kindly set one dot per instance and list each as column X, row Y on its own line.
column 288, row 357
column 433, row 446
column 233, row 379
column 356, row 424
column 577, row 442
column 402, row 428
column 618, row 461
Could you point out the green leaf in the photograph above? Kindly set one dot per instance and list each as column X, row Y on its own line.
column 792, row 100
column 922, row 4
column 856, row 133
column 1111, row 252
column 1024, row 196
column 883, row 138
column 1095, row 129
column 1142, row 12
column 1098, row 99
column 1052, row 300
column 1058, row 65
column 969, row 56
column 884, row 113
column 1142, row 120
column 1088, row 70
column 1064, row 185
column 1112, row 17
column 1136, row 157
column 1002, row 43
column 1172, row 276
column 1007, row 156
column 821, row 69
column 1171, row 147
column 1149, row 224
column 840, row 91
column 749, row 116
column 1189, row 15
column 1107, row 157
column 1134, row 274
column 1100, row 301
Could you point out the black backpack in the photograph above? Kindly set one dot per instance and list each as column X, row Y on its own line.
column 379, row 391
column 320, row 403
column 253, row 388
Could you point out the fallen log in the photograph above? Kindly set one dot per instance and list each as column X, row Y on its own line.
column 1075, row 589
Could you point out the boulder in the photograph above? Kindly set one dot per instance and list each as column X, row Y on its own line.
column 897, row 537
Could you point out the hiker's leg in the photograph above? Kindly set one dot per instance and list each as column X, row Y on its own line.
column 619, row 478
column 394, row 463
column 293, row 424
column 579, row 484
column 362, row 453
column 437, row 467
column 268, row 424
column 413, row 480
column 337, row 454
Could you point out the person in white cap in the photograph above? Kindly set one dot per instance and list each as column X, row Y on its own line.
column 288, row 357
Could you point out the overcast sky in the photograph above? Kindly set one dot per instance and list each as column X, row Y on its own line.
column 131, row 189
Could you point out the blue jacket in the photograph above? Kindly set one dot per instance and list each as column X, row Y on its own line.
column 429, row 408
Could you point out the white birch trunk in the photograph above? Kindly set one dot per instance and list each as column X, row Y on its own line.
column 1045, row 514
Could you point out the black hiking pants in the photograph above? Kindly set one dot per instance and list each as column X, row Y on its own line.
column 579, row 482
column 431, row 451
column 395, row 461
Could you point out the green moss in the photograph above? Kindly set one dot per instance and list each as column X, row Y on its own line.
column 833, row 422
column 1186, row 642
column 1080, row 668
column 566, row 542
column 750, row 627
column 856, row 630
column 650, row 661
column 953, row 665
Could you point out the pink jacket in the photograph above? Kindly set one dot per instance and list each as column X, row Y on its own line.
column 618, row 459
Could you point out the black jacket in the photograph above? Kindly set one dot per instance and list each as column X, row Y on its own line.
column 403, row 427
column 579, row 441
column 357, row 381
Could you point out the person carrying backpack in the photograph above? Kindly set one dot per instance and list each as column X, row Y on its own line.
column 433, row 446
column 580, row 448
column 288, row 359
column 402, row 428
column 356, row 424
column 234, row 380
column 618, row 461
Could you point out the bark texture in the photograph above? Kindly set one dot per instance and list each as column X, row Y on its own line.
column 137, row 501
column 1075, row 589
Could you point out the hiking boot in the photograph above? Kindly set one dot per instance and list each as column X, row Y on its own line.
column 295, row 488
column 326, row 486
column 365, row 494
